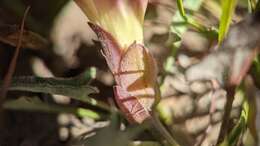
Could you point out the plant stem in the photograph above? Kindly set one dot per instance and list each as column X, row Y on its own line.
column 155, row 121
column 226, row 117
column 162, row 130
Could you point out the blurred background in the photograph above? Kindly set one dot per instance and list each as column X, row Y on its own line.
column 58, row 43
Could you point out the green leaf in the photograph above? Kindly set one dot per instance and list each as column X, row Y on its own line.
column 76, row 87
column 228, row 8
column 255, row 71
column 257, row 7
column 224, row 143
column 73, row 87
column 36, row 105
column 251, row 5
column 179, row 20
column 82, row 112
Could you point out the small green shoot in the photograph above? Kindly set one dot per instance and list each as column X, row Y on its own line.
column 228, row 8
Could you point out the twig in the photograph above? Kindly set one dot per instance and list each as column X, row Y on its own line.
column 226, row 117
column 10, row 72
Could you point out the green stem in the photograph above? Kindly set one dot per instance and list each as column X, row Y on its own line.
column 162, row 130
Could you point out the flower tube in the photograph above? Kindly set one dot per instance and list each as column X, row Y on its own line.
column 119, row 27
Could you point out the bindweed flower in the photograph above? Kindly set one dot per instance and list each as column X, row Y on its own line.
column 119, row 27
column 123, row 19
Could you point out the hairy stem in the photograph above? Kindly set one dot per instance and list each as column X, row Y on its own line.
column 76, row 88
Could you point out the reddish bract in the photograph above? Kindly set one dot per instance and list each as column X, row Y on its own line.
column 135, row 73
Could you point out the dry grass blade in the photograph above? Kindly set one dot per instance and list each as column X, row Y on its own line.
column 12, row 66
column 9, row 34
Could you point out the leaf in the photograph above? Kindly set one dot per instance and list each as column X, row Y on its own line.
column 135, row 72
column 255, row 71
column 232, row 60
column 257, row 7
column 181, row 21
column 9, row 34
column 228, row 8
column 136, row 79
column 241, row 126
column 251, row 5
column 76, row 87
column 35, row 105
column 224, row 143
